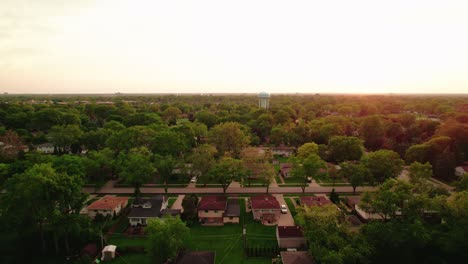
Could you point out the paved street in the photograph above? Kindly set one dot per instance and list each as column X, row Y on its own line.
column 230, row 190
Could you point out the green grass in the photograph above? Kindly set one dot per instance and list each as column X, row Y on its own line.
column 171, row 201
column 291, row 207
column 121, row 240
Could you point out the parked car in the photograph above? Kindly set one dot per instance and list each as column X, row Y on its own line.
column 193, row 180
column 284, row 209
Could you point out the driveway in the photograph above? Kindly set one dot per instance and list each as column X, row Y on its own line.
column 178, row 203
column 285, row 219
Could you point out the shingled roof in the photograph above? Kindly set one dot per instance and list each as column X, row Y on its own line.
column 108, row 203
column 290, row 231
column 314, row 200
column 212, row 202
column 264, row 201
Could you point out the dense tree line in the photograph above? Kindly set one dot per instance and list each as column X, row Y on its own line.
column 137, row 139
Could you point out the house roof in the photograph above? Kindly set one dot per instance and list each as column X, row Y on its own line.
column 107, row 203
column 233, row 208
column 196, row 257
column 212, row 202
column 289, row 231
column 297, row 257
column 264, row 201
column 147, row 207
column 314, row 200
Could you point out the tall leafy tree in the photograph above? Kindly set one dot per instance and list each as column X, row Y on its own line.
column 227, row 170
column 383, row 164
column 342, row 148
column 357, row 174
column 308, row 167
column 137, row 169
column 165, row 237
column 229, row 137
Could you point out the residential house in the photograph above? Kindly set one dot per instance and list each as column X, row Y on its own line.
column 107, row 206
column 353, row 203
column 46, row 148
column 285, row 169
column 265, row 208
column 196, row 257
column 296, row 257
column 290, row 237
column 314, row 201
column 144, row 209
column 218, row 210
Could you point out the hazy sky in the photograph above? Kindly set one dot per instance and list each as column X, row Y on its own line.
column 133, row 46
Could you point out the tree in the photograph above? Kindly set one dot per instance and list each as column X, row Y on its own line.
column 383, row 164
column 171, row 114
column 165, row 166
column 202, row 159
column 462, row 183
column 373, row 132
column 168, row 142
column 227, row 170
column 12, row 146
column 136, row 169
column 165, row 237
column 190, row 213
column 229, row 137
column 328, row 239
column 72, row 165
column 357, row 174
column 99, row 165
column 419, row 172
column 307, row 149
column 306, row 168
column 419, row 153
column 267, row 174
column 45, row 196
column 342, row 148
column 63, row 137
column 207, row 118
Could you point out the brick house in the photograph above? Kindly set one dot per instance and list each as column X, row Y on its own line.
column 218, row 210
column 265, row 208
column 314, row 200
column 107, row 206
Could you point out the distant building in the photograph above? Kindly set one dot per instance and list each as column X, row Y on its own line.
column 264, row 100
column 46, row 148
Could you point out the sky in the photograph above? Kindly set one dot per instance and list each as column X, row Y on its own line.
column 313, row 46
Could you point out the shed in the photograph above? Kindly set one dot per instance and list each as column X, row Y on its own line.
column 108, row 253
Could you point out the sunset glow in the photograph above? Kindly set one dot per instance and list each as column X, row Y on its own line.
column 145, row 46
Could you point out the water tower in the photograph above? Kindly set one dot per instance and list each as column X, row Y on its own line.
column 264, row 100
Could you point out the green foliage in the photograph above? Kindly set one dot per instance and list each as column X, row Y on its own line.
column 327, row 237
column 165, row 237
column 136, row 169
column 190, row 213
column 227, row 170
column 383, row 164
column 373, row 132
column 308, row 167
column 357, row 174
column 419, row 172
column 229, row 138
column 342, row 148
column 307, row 149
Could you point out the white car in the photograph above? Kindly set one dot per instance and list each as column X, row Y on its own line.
column 284, row 209
column 194, row 179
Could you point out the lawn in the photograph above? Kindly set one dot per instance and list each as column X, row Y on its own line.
column 290, row 202
column 171, row 201
column 227, row 240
